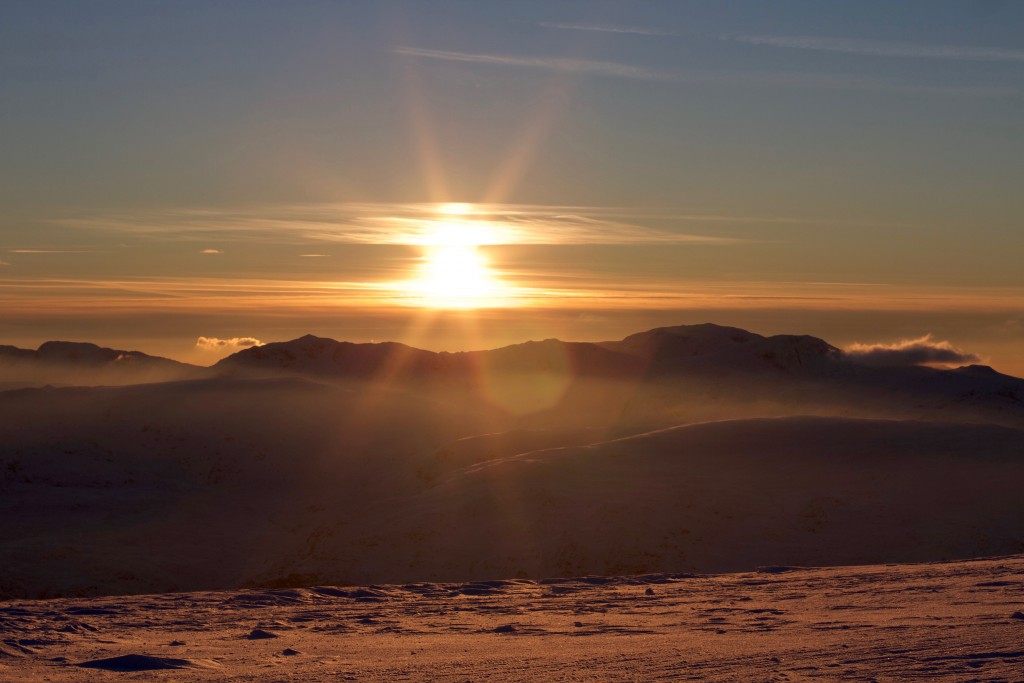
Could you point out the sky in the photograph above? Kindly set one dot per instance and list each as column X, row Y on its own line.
column 468, row 174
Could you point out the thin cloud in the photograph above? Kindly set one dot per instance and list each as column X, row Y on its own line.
column 603, row 28
column 232, row 344
column 52, row 251
column 921, row 351
column 877, row 48
column 854, row 46
column 584, row 66
column 741, row 80
column 211, row 251
column 413, row 225
column 536, row 285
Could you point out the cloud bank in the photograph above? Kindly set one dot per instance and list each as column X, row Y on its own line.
column 232, row 345
column 921, row 351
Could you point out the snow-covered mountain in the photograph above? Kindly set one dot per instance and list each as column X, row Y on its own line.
column 71, row 363
column 684, row 373
column 710, row 348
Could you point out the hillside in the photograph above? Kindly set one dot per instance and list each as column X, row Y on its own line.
column 223, row 483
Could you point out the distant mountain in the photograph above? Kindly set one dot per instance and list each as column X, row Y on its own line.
column 330, row 359
column 64, row 363
column 668, row 375
column 710, row 348
column 702, row 349
column 662, row 376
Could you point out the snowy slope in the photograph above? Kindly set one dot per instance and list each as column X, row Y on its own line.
column 233, row 482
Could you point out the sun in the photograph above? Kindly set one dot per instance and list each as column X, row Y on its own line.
column 453, row 271
column 456, row 276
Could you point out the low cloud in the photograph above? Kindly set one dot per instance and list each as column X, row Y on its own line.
column 921, row 351
column 232, row 345
column 211, row 251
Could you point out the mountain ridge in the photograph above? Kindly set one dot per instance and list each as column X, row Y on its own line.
column 703, row 340
column 684, row 372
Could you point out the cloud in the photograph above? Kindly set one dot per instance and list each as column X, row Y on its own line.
column 53, row 251
column 853, row 46
column 878, row 48
column 211, row 251
column 921, row 351
column 604, row 28
column 586, row 66
column 233, row 344
column 414, row 224
column 741, row 80
column 4, row 263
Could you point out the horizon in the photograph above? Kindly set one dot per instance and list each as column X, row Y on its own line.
column 924, row 351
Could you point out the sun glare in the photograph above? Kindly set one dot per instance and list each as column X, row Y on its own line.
column 456, row 276
column 454, row 272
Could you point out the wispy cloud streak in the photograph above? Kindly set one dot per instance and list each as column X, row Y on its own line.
column 53, row 251
column 53, row 298
column 854, row 46
column 407, row 224
column 876, row 48
column 744, row 80
column 604, row 28
column 583, row 66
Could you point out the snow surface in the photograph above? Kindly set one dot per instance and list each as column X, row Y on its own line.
column 955, row 621
column 226, row 483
